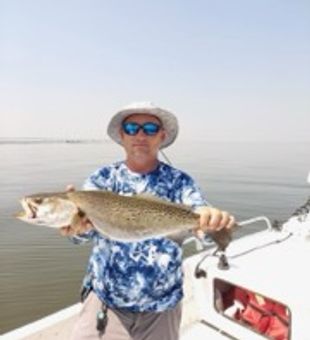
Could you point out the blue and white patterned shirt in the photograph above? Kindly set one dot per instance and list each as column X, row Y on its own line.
column 144, row 275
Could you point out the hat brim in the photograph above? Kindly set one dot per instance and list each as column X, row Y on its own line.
column 168, row 120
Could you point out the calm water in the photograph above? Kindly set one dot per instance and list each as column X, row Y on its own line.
column 41, row 272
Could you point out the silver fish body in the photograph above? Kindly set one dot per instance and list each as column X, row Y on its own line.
column 119, row 217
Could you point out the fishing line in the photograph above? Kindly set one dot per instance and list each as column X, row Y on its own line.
column 262, row 246
column 165, row 157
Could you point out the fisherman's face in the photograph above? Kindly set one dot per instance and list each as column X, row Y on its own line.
column 140, row 144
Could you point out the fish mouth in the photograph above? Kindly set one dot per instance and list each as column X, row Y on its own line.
column 30, row 211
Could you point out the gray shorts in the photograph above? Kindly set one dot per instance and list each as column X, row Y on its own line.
column 123, row 325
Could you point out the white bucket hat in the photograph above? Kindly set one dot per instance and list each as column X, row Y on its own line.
column 168, row 120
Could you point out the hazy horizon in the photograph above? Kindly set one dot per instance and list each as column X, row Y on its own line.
column 106, row 139
column 231, row 71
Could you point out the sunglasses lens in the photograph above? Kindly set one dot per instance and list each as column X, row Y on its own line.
column 150, row 129
column 131, row 128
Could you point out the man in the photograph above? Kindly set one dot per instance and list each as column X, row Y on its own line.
column 139, row 284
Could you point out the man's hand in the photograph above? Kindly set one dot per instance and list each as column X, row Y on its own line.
column 212, row 219
column 80, row 223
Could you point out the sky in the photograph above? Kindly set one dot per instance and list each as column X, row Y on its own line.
column 230, row 70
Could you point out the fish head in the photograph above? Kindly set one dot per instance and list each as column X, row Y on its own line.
column 51, row 210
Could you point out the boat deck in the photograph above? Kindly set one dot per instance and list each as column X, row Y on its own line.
column 61, row 331
column 58, row 326
column 61, row 327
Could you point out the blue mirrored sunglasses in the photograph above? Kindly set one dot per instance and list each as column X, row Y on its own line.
column 149, row 128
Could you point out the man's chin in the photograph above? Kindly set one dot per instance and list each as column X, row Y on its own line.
column 140, row 149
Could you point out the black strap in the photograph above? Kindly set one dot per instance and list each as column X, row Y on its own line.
column 84, row 293
column 102, row 319
column 102, row 315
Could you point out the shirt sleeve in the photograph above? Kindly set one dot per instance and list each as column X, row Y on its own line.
column 101, row 179
column 191, row 194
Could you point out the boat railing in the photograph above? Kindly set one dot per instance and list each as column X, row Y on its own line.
column 201, row 244
column 256, row 219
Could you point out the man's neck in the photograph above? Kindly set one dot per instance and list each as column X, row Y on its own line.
column 143, row 167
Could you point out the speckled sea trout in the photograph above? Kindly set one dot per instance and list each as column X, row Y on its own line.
column 115, row 216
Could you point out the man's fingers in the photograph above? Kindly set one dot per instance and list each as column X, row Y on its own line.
column 213, row 219
column 224, row 220
column 70, row 187
column 78, row 227
column 205, row 218
column 65, row 231
column 231, row 223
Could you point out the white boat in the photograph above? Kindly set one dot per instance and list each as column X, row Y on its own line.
column 259, row 289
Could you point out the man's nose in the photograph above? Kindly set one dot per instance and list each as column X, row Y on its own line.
column 141, row 134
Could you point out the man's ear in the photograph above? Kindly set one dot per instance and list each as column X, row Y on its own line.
column 121, row 133
column 163, row 135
